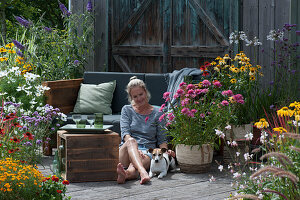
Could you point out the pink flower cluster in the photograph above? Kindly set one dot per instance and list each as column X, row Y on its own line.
column 227, row 93
column 238, row 98
column 188, row 112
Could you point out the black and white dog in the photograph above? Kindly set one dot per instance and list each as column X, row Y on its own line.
column 160, row 162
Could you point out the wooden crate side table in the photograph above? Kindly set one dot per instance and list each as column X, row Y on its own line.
column 88, row 157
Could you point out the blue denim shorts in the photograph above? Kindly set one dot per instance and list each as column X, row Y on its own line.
column 142, row 148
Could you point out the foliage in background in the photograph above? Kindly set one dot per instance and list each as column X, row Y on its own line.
column 29, row 9
column 21, row 181
column 57, row 54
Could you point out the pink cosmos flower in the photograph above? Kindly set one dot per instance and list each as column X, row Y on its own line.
column 184, row 110
column 190, row 92
column 175, row 96
column 166, row 95
column 194, row 110
column 227, row 92
column 217, row 84
column 162, row 117
column 225, row 103
column 162, row 107
column 180, row 92
column 190, row 86
column 206, row 83
column 182, row 84
column 202, row 115
column 146, row 119
column 171, row 116
column 190, row 114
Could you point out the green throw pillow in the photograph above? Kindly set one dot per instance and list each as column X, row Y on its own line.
column 95, row 98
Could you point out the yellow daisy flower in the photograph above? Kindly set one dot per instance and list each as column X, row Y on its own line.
column 11, row 51
column 252, row 78
column 258, row 66
column 262, row 123
column 243, row 68
column 3, row 59
column 280, row 129
column 233, row 80
column 2, row 50
column 226, row 57
column 10, row 45
column 231, row 100
column 213, row 63
column 218, row 58
column 285, row 112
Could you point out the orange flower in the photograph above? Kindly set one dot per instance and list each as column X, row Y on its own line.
column 55, row 178
column 15, row 139
column 11, row 151
column 66, row 182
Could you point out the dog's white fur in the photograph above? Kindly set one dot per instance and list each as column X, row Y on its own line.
column 160, row 162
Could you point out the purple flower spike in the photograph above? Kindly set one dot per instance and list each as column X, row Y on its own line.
column 22, row 21
column 63, row 9
column 20, row 54
column 18, row 45
column 76, row 62
column 47, row 29
column 89, row 6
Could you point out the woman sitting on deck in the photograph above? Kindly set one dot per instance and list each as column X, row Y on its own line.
column 140, row 130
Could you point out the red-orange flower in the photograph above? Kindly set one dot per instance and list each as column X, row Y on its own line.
column 59, row 191
column 207, row 64
column 16, row 124
column 10, row 116
column 203, row 68
column 2, row 131
column 66, row 182
column 11, row 151
column 0, row 145
column 205, row 73
column 55, row 178
column 28, row 135
column 15, row 139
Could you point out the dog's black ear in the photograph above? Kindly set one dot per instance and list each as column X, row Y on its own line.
column 163, row 150
column 150, row 150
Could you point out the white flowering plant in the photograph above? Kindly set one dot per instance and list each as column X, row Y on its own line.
column 276, row 175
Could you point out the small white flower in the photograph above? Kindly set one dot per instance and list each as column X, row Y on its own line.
column 236, row 175
column 234, row 144
column 238, row 154
column 220, row 133
column 295, row 123
column 220, row 167
column 212, row 178
column 228, row 127
column 260, row 196
column 275, row 35
column 249, row 136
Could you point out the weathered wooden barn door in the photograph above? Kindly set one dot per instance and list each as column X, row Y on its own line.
column 162, row 35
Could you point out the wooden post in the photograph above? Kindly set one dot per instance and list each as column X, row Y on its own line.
column 166, row 37
column 3, row 17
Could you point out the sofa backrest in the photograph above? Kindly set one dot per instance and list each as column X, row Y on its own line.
column 157, row 85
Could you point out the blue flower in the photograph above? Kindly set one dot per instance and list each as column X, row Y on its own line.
column 18, row 45
column 22, row 21
column 38, row 142
column 89, row 6
column 76, row 62
column 63, row 9
column 20, row 53
column 47, row 29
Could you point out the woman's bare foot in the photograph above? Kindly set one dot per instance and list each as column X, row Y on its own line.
column 144, row 178
column 121, row 174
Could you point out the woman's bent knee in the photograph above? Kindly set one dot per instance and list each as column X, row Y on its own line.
column 131, row 141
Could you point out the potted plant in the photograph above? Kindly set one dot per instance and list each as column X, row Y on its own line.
column 195, row 111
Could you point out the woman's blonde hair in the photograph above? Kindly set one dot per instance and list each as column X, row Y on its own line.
column 135, row 82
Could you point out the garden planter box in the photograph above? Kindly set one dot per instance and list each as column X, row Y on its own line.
column 88, row 157
column 63, row 94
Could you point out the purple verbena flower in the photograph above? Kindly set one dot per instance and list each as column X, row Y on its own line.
column 18, row 44
column 27, row 143
column 47, row 29
column 20, row 53
column 89, row 6
column 76, row 62
column 38, row 142
column 22, row 21
column 63, row 9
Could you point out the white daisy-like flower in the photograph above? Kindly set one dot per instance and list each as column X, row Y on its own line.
column 228, row 127
column 220, row 168
column 237, row 154
column 236, row 175
column 249, row 136
column 212, row 178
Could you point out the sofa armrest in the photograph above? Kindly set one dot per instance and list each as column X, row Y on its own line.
column 63, row 94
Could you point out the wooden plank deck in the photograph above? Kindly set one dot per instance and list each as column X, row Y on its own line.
column 174, row 186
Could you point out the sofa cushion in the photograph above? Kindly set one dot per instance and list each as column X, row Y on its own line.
column 95, row 98
column 122, row 78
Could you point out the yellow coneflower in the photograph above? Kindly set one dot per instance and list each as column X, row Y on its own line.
column 2, row 50
column 262, row 123
column 10, row 45
column 218, row 58
column 217, row 68
column 297, row 118
column 252, row 69
column 222, row 62
column 226, row 57
column 295, row 104
column 251, row 73
column 243, row 68
column 280, row 129
column 11, row 51
column 233, row 80
column 213, row 63
column 261, row 74
column 3, row 59
column 285, row 111
column 231, row 100
column 252, row 78
column 258, row 66
column 200, row 84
